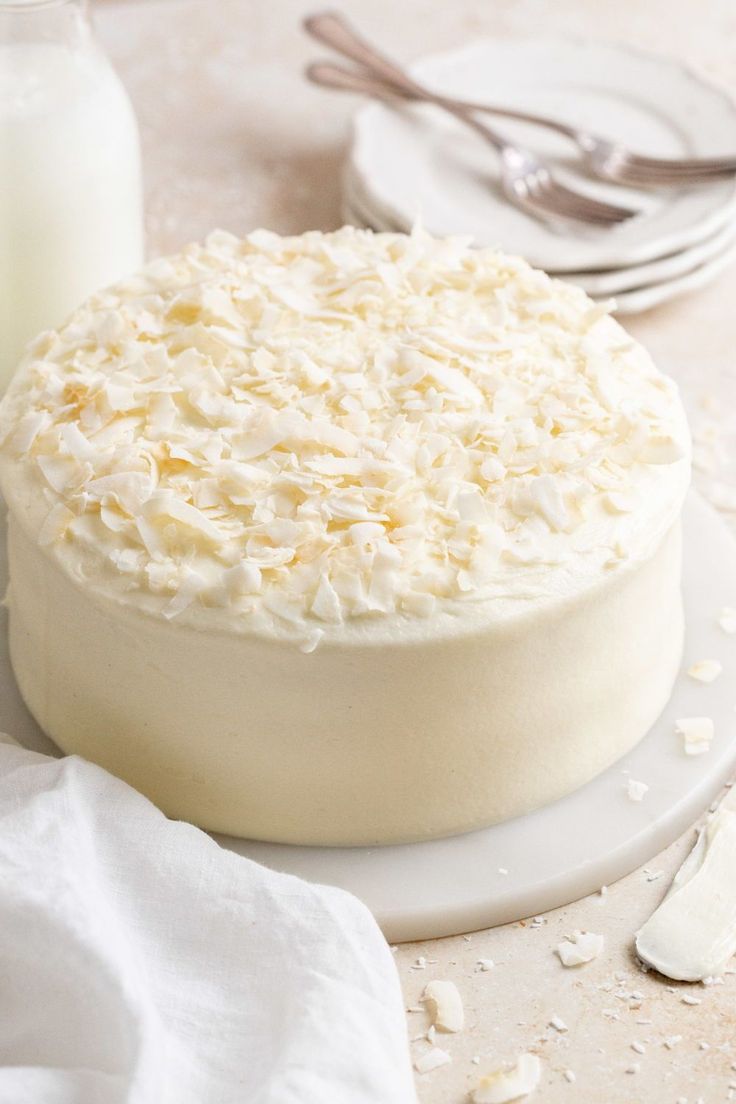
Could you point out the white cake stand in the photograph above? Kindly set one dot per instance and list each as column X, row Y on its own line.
column 556, row 854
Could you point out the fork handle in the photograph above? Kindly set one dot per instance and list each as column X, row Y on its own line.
column 333, row 30
column 352, row 80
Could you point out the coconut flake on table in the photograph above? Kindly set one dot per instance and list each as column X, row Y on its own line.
column 432, row 1060
column 444, row 1005
column 505, row 1085
column 582, row 947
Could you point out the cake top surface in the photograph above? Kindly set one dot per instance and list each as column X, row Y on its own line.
column 318, row 430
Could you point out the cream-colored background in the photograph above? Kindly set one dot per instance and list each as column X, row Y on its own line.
column 234, row 137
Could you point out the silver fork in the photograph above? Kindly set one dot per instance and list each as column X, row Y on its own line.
column 526, row 180
column 606, row 159
column 615, row 162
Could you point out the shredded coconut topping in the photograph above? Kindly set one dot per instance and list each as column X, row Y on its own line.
column 339, row 425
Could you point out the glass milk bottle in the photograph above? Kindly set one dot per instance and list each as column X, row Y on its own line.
column 70, row 177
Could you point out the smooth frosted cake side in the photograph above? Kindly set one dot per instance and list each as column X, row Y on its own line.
column 344, row 538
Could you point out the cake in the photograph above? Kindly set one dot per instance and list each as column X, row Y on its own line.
column 344, row 538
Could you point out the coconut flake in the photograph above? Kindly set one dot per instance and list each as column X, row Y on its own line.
column 662, row 449
column 57, row 521
column 312, row 641
column 326, row 603
column 636, row 790
column 432, row 1060
column 78, row 445
column 28, row 429
column 193, row 585
column 164, row 504
column 546, row 495
column 705, row 670
column 582, row 947
column 445, row 1005
column 243, row 578
column 617, row 502
column 59, row 471
column 727, row 620
column 131, row 489
column 697, row 734
column 504, row 1085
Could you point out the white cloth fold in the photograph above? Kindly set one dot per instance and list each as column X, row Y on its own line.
column 140, row 963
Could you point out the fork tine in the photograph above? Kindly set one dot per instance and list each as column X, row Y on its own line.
column 683, row 164
column 570, row 209
column 674, row 174
column 599, row 209
column 637, row 177
column 576, row 202
column 543, row 207
column 562, row 205
column 583, row 212
column 533, row 194
column 525, row 195
column 556, row 199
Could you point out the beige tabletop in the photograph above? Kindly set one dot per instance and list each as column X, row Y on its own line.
column 234, row 137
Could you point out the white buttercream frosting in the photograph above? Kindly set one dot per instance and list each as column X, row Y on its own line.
column 300, row 432
column 692, row 935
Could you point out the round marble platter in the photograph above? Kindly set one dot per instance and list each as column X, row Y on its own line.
column 558, row 853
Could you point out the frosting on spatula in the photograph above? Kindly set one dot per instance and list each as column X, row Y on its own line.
column 692, row 934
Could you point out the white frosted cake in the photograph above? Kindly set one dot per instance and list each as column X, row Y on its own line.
column 344, row 538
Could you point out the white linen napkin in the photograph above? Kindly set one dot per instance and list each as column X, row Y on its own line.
column 140, row 963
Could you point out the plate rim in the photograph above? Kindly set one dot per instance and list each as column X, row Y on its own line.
column 638, row 300
column 657, row 271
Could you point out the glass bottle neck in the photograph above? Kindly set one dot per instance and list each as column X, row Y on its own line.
column 64, row 22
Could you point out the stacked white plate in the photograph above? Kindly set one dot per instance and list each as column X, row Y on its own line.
column 417, row 162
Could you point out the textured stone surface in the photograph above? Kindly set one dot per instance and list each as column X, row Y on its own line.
column 234, row 137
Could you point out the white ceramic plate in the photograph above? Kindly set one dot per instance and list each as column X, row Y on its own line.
column 425, row 890
column 617, row 280
column 418, row 161
column 357, row 209
column 634, row 302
